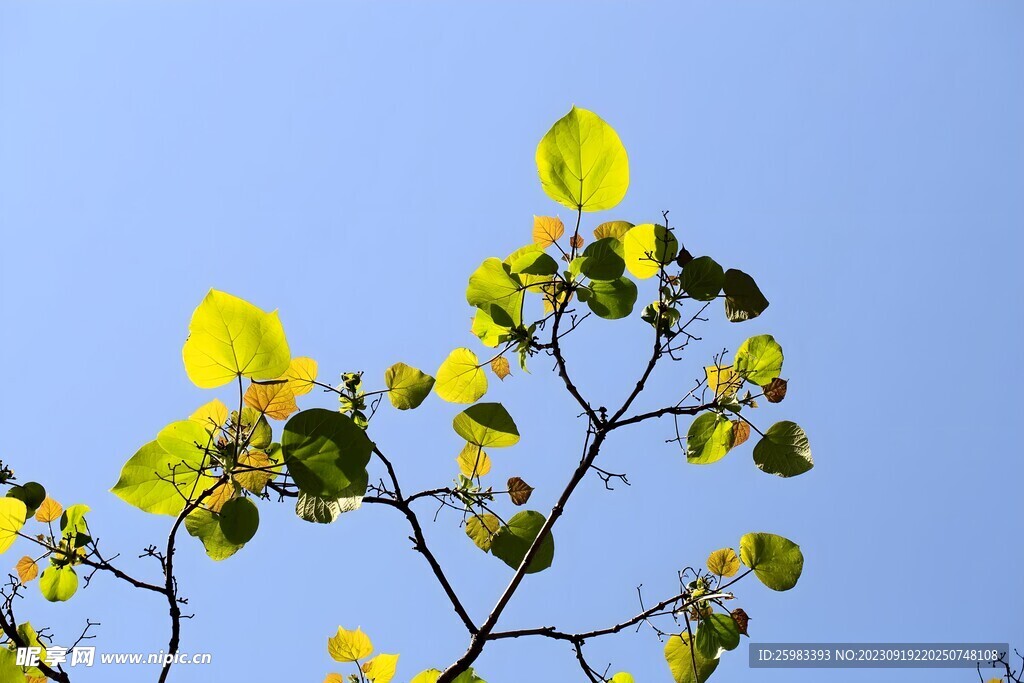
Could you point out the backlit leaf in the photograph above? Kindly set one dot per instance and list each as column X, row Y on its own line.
column 723, row 381
column 301, row 373
column 205, row 526
column 381, row 669
column 648, row 248
column 255, row 480
column 58, row 584
column 460, row 379
column 229, row 337
column 49, row 510
column 512, row 542
column 582, row 163
column 681, row 660
column 348, row 646
column 723, row 562
column 759, row 359
column 776, row 561
column 708, row 439
column 473, row 461
column 487, row 425
column 493, row 288
column 740, row 432
column 211, row 415
column 408, row 387
column 27, row 569
column 156, row 481
column 614, row 229
column 481, row 529
column 547, row 230
column 276, row 400
column 500, row 367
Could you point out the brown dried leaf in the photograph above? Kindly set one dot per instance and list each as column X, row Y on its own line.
column 741, row 619
column 519, row 491
column 576, row 241
column 775, row 390
column 547, row 230
column 500, row 367
column 740, row 432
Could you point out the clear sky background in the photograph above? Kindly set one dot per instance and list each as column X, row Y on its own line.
column 350, row 164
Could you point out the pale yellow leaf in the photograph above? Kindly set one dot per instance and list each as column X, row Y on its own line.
column 12, row 518
column 500, row 367
column 473, row 461
column 49, row 510
column 211, row 415
column 348, row 646
column 27, row 569
column 614, row 229
column 460, row 379
column 547, row 230
column 301, row 374
column 381, row 669
column 276, row 400
column 220, row 495
column 481, row 529
column 723, row 562
column 722, row 380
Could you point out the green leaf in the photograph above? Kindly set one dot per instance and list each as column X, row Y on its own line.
column 709, row 439
column 431, row 676
column 759, row 359
column 489, row 332
column 32, row 494
column 460, row 378
column 743, row 300
column 603, row 260
column 327, row 510
column 680, row 660
column 776, row 561
column 614, row 229
column 784, row 450
column 535, row 263
column 582, row 163
column 613, row 299
column 12, row 517
column 512, row 542
column 647, row 248
column 716, row 633
column 492, row 286
column 239, row 520
column 155, row 481
column 408, row 386
column 229, row 337
column 186, row 440
column 325, row 451
column 72, row 521
column 487, row 425
column 206, row 526
column 58, row 584
column 481, row 529
column 702, row 278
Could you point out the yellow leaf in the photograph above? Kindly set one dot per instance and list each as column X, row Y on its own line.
column 12, row 518
column 27, row 569
column 211, row 415
column 722, row 380
column 614, row 229
column 381, row 669
column 547, row 230
column 301, row 373
column 723, row 562
column 229, row 337
column 460, row 379
column 219, row 496
column 348, row 646
column 256, row 480
column 473, row 461
column 482, row 529
column 334, row 678
column 500, row 367
column 276, row 401
column 49, row 510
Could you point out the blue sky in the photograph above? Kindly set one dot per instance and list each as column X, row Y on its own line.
column 351, row 163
